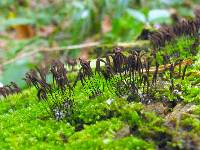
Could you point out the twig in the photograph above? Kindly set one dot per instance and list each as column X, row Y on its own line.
column 164, row 67
column 30, row 53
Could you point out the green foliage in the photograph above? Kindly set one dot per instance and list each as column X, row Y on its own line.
column 124, row 29
column 153, row 16
column 18, row 21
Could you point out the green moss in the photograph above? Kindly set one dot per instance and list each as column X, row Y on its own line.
column 25, row 123
column 191, row 124
column 29, row 125
column 180, row 48
column 130, row 143
column 102, row 136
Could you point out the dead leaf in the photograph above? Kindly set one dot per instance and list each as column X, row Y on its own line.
column 24, row 31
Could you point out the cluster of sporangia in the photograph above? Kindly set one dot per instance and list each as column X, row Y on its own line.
column 169, row 33
column 9, row 89
column 132, row 74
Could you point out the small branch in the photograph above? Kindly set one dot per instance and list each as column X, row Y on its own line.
column 162, row 67
column 30, row 53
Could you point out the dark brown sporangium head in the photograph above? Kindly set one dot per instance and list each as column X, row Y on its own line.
column 9, row 89
column 119, row 60
column 59, row 74
column 85, row 66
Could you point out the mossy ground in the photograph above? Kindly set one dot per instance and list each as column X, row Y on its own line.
column 25, row 124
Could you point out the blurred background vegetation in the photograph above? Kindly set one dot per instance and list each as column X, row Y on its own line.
column 28, row 25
